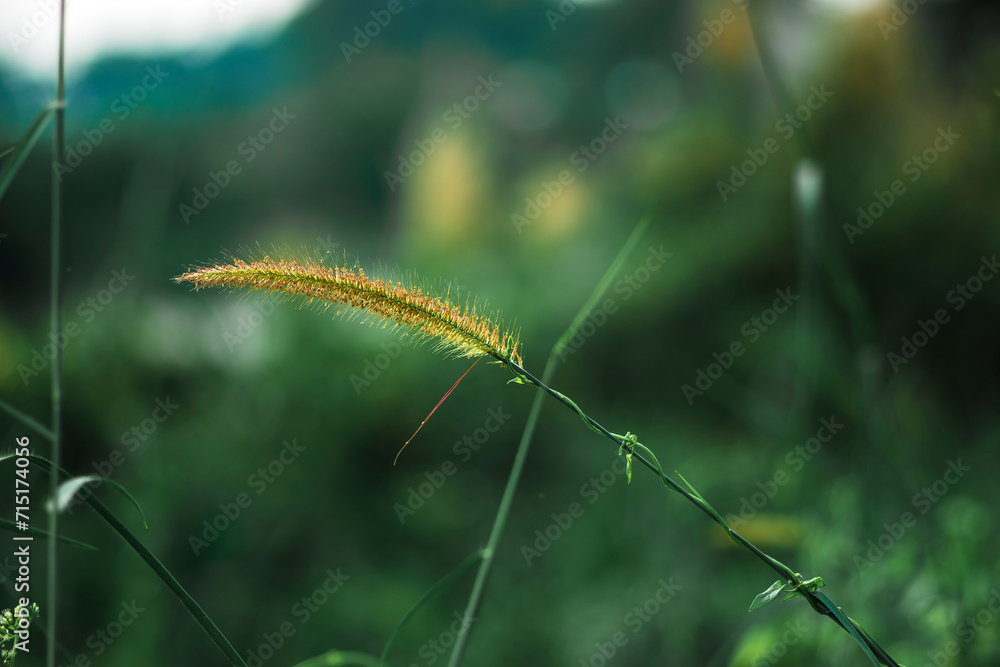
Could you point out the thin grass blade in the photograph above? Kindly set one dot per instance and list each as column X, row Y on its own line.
column 25, row 419
column 70, row 487
column 432, row 593
column 199, row 615
column 7, row 524
column 848, row 625
column 496, row 532
column 602, row 286
column 12, row 163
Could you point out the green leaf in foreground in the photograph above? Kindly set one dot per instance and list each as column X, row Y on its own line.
column 853, row 629
column 434, row 591
column 199, row 615
column 770, row 595
column 777, row 588
column 70, row 487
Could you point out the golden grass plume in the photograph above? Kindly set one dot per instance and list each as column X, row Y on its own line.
column 462, row 331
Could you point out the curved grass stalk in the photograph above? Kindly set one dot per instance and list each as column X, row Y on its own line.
column 806, row 588
column 434, row 591
column 7, row 524
column 15, row 156
column 26, row 419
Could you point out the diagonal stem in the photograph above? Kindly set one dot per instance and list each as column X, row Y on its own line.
column 818, row 601
column 777, row 566
column 482, row 577
column 483, row 574
column 25, row 419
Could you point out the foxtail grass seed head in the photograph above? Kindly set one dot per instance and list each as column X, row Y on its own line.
column 461, row 331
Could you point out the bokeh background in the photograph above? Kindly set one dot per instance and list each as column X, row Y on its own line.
column 249, row 382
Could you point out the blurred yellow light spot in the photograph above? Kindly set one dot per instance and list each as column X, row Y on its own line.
column 549, row 209
column 764, row 530
column 723, row 33
column 737, row 45
column 449, row 192
column 564, row 214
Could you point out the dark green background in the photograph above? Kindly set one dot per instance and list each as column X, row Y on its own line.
column 321, row 185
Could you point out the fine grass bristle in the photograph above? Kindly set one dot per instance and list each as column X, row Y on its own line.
column 461, row 331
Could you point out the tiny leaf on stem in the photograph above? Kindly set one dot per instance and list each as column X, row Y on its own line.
column 767, row 596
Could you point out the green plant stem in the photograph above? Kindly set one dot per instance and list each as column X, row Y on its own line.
column 777, row 566
column 818, row 601
column 435, row 590
column 483, row 574
column 55, row 303
column 802, row 146
column 475, row 599
column 25, row 419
